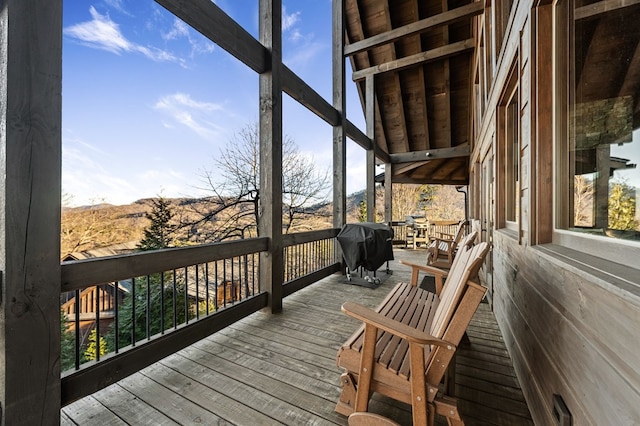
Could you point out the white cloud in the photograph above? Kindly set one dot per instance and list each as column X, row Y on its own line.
column 180, row 30
column 91, row 176
column 193, row 114
column 289, row 20
column 103, row 33
column 117, row 5
column 304, row 54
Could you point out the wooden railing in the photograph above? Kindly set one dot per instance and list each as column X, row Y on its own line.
column 308, row 257
column 404, row 234
column 162, row 301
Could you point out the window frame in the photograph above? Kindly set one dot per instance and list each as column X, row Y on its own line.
column 611, row 249
column 509, row 189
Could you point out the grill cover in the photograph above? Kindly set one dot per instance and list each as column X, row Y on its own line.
column 366, row 244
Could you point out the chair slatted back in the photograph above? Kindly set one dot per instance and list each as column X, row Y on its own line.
column 465, row 267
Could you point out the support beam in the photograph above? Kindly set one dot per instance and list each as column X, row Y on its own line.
column 419, row 58
column 388, row 194
column 211, row 21
column 446, row 71
column 339, row 103
column 446, row 18
column 431, row 154
column 299, row 90
column 370, row 119
column 595, row 9
column 270, row 207
column 30, row 164
column 407, row 167
column 363, row 61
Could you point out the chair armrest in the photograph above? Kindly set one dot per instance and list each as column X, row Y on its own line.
column 426, row 268
column 439, row 274
column 369, row 316
column 445, row 236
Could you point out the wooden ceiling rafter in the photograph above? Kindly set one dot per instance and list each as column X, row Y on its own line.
column 421, row 55
column 397, row 85
column 431, row 154
column 449, row 17
column 422, row 90
column 432, row 55
column 595, row 9
column 447, row 80
column 381, row 138
column 402, row 168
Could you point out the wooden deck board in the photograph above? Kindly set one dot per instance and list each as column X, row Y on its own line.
column 280, row 369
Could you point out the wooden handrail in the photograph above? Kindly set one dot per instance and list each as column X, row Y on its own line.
column 78, row 274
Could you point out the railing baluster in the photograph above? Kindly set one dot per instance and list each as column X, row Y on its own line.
column 77, row 329
column 175, row 301
column 186, row 295
column 97, row 327
column 206, row 283
column 197, row 294
column 133, row 311
column 148, row 308
column 162, row 303
column 116, row 317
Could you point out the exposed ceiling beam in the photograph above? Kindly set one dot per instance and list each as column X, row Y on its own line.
column 447, row 83
column 431, row 154
column 407, row 167
column 421, row 26
column 408, row 179
column 381, row 137
column 299, row 90
column 211, row 21
column 419, row 58
column 402, row 120
column 595, row 9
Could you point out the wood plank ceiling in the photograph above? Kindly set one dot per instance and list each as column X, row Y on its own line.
column 420, row 54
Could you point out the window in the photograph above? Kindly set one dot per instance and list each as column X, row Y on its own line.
column 512, row 158
column 509, row 146
column 599, row 120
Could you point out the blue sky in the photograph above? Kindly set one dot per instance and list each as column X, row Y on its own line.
column 148, row 102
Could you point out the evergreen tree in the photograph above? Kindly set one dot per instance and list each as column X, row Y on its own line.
column 67, row 344
column 90, row 354
column 161, row 232
column 154, row 308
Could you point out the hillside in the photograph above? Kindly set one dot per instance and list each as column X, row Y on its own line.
column 102, row 225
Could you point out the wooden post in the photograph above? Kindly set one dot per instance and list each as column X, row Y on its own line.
column 339, row 131
column 270, row 207
column 370, row 118
column 388, row 193
column 30, row 163
column 542, row 163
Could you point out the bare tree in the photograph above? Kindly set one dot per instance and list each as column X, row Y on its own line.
column 87, row 228
column 232, row 211
column 583, row 197
column 404, row 200
column 446, row 203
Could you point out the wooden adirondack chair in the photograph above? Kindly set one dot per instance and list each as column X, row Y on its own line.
column 438, row 273
column 405, row 345
column 443, row 247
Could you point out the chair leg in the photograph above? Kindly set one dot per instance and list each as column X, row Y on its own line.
column 347, row 400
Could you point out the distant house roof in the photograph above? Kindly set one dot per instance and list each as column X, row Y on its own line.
column 113, row 250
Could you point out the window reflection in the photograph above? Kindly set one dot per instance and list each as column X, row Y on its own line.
column 604, row 120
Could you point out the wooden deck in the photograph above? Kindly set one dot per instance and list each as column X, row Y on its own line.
column 280, row 369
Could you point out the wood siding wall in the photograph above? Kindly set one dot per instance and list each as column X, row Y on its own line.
column 569, row 320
